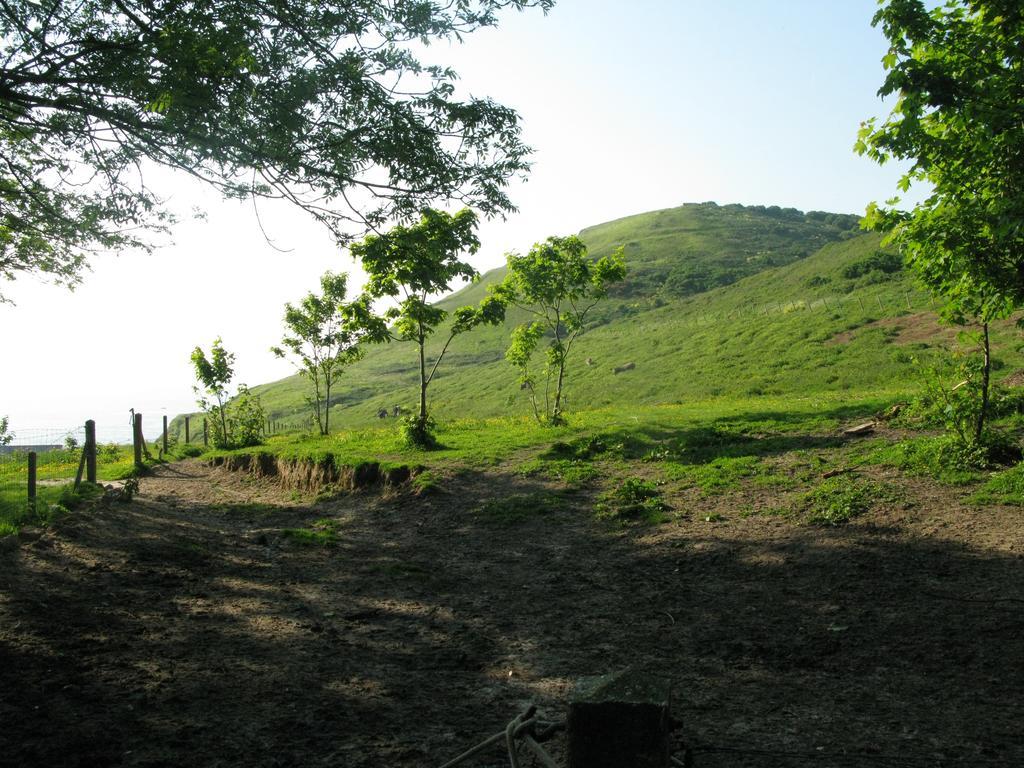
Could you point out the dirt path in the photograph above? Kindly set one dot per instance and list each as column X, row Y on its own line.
column 186, row 628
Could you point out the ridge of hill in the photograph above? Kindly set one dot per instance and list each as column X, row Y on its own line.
column 721, row 301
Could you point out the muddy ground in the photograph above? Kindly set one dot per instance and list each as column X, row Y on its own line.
column 186, row 629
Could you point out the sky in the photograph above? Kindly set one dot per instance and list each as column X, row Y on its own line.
column 629, row 107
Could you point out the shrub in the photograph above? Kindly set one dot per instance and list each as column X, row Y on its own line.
column 418, row 433
column 247, row 419
column 879, row 262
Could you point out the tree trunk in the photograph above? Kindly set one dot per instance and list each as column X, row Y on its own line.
column 223, row 422
column 985, row 375
column 327, row 407
column 422, row 421
column 556, row 414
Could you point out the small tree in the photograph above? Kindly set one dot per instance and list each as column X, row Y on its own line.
column 558, row 284
column 412, row 264
column 323, row 340
column 214, row 374
column 6, row 436
column 246, row 418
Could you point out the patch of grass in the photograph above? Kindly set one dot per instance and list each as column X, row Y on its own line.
column 1002, row 488
column 518, row 507
column 573, row 472
column 581, row 449
column 943, row 458
column 634, row 499
column 182, row 451
column 838, row 500
column 425, row 482
column 717, row 475
column 52, row 501
column 323, row 533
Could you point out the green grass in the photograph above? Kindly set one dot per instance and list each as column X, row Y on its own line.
column 838, row 500
column 940, row 457
column 322, row 533
column 51, row 502
column 634, row 499
column 791, row 324
column 426, row 482
column 724, row 473
column 518, row 507
column 696, row 431
column 572, row 472
column 55, row 471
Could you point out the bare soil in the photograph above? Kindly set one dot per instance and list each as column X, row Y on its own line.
column 186, row 628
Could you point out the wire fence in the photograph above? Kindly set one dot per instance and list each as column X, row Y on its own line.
column 41, row 467
column 55, row 454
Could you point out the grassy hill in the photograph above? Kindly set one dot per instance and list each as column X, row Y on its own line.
column 721, row 300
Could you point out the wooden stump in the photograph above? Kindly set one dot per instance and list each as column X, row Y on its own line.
column 621, row 720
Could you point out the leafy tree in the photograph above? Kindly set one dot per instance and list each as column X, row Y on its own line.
column 558, row 284
column 6, row 436
column 214, row 374
column 959, row 119
column 322, row 340
column 411, row 264
column 324, row 104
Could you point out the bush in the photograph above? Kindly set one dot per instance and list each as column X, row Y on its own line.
column 418, row 434
column 247, row 419
column 878, row 262
column 244, row 418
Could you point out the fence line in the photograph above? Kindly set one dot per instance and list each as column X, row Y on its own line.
column 38, row 466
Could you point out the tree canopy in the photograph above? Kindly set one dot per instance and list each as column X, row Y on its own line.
column 411, row 264
column 322, row 340
column 557, row 284
column 958, row 74
column 324, row 104
column 214, row 373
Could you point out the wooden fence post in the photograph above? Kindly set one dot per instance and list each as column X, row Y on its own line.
column 32, row 477
column 206, row 435
column 90, row 451
column 165, row 433
column 137, row 439
column 187, row 436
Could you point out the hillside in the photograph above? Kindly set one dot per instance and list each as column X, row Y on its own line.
column 721, row 300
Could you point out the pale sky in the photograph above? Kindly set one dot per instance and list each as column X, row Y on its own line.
column 630, row 107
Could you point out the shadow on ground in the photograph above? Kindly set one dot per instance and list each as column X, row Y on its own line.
column 185, row 628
